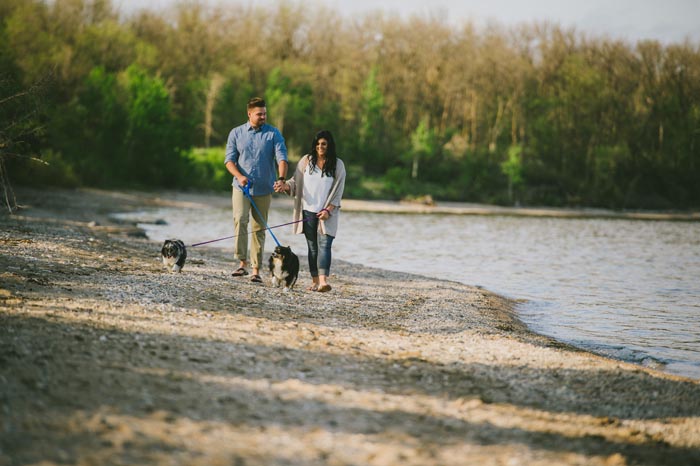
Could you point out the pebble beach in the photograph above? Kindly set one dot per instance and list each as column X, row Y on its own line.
column 108, row 358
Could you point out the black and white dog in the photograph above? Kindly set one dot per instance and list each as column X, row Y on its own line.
column 174, row 254
column 284, row 267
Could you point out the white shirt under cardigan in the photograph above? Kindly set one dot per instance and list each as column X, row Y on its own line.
column 316, row 189
column 296, row 184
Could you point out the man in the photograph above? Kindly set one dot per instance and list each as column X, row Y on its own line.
column 251, row 152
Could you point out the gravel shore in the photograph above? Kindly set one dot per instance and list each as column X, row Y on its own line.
column 107, row 358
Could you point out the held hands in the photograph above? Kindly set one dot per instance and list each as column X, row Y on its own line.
column 280, row 186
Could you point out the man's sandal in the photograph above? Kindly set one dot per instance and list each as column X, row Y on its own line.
column 256, row 279
column 240, row 272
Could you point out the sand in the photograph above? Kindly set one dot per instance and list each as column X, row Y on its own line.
column 107, row 358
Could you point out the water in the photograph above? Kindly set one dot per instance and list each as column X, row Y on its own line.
column 628, row 289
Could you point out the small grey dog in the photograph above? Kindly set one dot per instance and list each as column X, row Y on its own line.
column 174, row 254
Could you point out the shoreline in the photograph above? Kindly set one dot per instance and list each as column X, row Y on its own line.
column 107, row 357
column 458, row 208
column 194, row 199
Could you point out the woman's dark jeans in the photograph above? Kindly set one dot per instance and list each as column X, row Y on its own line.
column 319, row 246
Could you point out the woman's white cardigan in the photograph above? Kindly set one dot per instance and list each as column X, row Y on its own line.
column 296, row 184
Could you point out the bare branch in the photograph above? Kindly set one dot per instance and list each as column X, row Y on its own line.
column 16, row 96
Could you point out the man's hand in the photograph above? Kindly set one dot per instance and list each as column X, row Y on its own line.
column 280, row 186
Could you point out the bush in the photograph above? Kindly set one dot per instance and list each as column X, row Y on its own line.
column 207, row 169
column 50, row 170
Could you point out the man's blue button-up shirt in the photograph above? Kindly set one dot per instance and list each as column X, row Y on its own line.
column 256, row 153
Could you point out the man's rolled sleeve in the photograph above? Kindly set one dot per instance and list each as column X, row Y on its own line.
column 231, row 148
column 280, row 147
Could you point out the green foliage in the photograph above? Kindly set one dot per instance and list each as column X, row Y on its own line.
column 230, row 106
column 289, row 99
column 606, row 185
column 207, row 170
column 151, row 132
column 423, row 146
column 95, row 148
column 371, row 123
column 535, row 114
column 397, row 181
column 49, row 170
column 21, row 116
column 512, row 167
column 120, row 129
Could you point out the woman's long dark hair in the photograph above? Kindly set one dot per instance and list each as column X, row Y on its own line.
column 331, row 156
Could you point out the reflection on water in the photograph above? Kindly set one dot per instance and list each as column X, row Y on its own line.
column 626, row 289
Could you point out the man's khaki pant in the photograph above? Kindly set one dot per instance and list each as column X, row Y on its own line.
column 242, row 211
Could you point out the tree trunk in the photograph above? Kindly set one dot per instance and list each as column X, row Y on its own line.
column 217, row 82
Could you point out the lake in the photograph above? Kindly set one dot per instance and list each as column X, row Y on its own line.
column 627, row 289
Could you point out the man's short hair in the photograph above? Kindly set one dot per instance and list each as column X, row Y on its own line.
column 256, row 102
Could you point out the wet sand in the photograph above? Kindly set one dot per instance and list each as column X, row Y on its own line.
column 107, row 358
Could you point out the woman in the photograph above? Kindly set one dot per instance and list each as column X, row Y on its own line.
column 317, row 187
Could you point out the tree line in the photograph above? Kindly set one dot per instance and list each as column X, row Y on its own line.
column 534, row 114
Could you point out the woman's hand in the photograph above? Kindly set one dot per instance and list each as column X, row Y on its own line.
column 324, row 214
column 280, row 187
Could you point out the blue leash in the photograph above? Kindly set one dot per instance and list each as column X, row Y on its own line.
column 246, row 191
